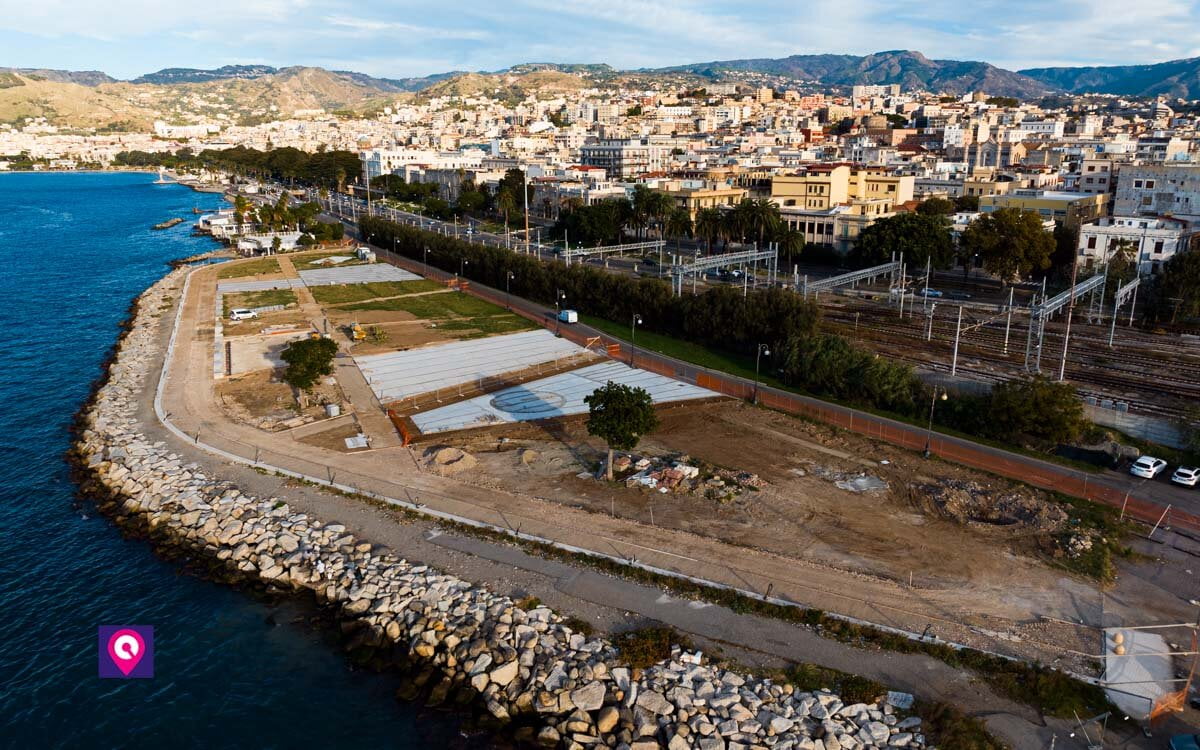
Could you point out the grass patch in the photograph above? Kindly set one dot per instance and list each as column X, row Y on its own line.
column 235, row 270
column 579, row 625
column 1107, row 532
column 264, row 298
column 491, row 325
column 529, row 602
column 435, row 306
column 338, row 294
column 852, row 688
column 646, row 647
column 309, row 261
column 951, row 728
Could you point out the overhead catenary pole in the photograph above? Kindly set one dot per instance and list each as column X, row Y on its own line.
column 1062, row 367
column 957, row 334
column 1008, row 322
column 525, row 195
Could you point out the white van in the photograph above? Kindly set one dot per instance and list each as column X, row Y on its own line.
column 242, row 313
column 568, row 316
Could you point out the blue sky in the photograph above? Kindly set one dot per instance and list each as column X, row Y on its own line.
column 401, row 38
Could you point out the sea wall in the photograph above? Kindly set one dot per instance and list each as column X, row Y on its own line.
column 466, row 643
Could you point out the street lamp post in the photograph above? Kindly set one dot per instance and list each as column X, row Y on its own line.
column 633, row 324
column 559, row 295
column 462, row 271
column 508, row 277
column 758, row 354
column 938, row 395
column 426, row 259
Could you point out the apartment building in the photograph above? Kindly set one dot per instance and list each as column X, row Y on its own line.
column 624, row 159
column 1154, row 240
column 823, row 186
column 1068, row 209
column 1158, row 190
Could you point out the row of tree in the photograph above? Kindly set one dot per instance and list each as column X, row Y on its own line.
column 328, row 169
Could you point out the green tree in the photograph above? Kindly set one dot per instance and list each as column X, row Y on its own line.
column 1012, row 243
column 1176, row 292
column 620, row 415
column 307, row 361
column 919, row 237
column 936, row 206
column 678, row 224
column 1036, row 407
column 276, row 245
column 1122, row 267
column 791, row 242
column 966, row 203
column 709, row 223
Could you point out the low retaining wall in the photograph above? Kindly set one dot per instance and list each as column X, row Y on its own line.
column 526, row 667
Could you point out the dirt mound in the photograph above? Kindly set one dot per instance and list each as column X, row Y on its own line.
column 969, row 502
column 446, row 460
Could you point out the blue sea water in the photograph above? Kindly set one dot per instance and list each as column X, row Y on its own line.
column 232, row 670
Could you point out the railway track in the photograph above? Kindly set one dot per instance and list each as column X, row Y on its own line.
column 1149, row 377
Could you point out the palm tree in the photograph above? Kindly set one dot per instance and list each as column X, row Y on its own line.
column 241, row 204
column 709, row 223
column 678, row 224
column 791, row 242
column 765, row 218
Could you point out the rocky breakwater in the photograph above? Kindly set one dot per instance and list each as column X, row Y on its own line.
column 460, row 643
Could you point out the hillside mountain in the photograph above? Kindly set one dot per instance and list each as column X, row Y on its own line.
column 397, row 85
column 196, row 75
column 66, row 104
column 912, row 70
column 82, row 77
column 1173, row 78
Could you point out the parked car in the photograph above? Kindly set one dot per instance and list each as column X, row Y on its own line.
column 958, row 295
column 927, row 292
column 242, row 313
column 1147, row 467
column 1188, row 476
column 1185, row 742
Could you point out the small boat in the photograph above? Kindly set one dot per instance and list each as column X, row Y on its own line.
column 168, row 223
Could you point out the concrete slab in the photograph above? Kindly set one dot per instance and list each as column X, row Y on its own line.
column 232, row 287
column 249, row 353
column 367, row 274
column 399, row 375
column 1142, row 675
column 556, row 396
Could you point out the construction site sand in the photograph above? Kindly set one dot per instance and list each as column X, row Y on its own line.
column 809, row 517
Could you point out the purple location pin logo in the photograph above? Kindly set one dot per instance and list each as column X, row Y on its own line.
column 126, row 651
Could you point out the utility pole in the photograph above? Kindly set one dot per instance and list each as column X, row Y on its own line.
column 928, row 331
column 1008, row 323
column 957, row 333
column 525, row 195
column 1062, row 367
column 928, row 268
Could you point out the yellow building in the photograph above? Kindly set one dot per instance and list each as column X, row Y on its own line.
column 693, row 197
column 1068, row 209
column 823, row 186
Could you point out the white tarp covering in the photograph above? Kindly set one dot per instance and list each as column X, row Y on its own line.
column 399, row 375
column 367, row 274
column 555, row 396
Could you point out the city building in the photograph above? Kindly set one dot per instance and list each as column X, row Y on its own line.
column 1068, row 209
column 1153, row 240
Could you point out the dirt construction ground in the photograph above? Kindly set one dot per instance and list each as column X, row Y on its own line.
column 995, row 549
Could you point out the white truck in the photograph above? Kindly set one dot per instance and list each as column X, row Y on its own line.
column 568, row 316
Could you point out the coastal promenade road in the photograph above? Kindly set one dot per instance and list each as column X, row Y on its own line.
column 981, row 614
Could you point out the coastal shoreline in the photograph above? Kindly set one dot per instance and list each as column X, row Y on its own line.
column 421, row 619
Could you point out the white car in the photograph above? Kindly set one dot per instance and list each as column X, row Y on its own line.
column 242, row 313
column 1147, row 467
column 1188, row 476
